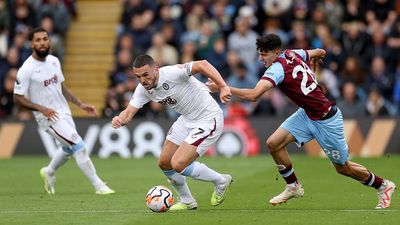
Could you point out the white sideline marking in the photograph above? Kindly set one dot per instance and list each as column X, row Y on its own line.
column 211, row 210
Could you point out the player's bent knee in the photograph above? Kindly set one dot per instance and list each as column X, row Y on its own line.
column 178, row 166
column 164, row 164
column 272, row 145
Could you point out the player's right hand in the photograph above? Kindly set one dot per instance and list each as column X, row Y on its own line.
column 50, row 114
column 116, row 122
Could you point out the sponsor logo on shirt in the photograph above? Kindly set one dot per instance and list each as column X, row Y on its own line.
column 168, row 101
column 52, row 80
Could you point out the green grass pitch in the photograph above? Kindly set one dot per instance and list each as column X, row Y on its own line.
column 329, row 198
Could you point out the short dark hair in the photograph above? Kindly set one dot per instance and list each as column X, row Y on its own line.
column 36, row 30
column 268, row 43
column 143, row 60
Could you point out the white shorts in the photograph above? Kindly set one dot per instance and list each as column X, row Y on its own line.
column 64, row 131
column 203, row 134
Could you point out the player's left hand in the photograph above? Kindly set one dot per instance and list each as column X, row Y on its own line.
column 225, row 94
column 90, row 109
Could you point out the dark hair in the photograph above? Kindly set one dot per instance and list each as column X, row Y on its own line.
column 268, row 43
column 143, row 60
column 36, row 30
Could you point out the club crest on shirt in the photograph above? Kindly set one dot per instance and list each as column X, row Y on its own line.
column 165, row 86
column 54, row 64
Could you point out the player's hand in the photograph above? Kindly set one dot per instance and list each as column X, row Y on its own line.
column 315, row 62
column 50, row 114
column 116, row 122
column 225, row 94
column 212, row 86
column 90, row 109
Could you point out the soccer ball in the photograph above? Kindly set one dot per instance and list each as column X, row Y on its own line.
column 159, row 199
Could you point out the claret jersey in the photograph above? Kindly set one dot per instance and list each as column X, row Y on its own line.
column 38, row 80
column 294, row 77
column 179, row 90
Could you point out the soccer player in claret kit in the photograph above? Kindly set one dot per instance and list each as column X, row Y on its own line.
column 40, row 88
column 199, row 126
column 317, row 118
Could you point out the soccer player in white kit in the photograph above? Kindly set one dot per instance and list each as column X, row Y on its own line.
column 39, row 87
column 199, row 126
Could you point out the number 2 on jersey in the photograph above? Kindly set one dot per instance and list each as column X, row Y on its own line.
column 306, row 72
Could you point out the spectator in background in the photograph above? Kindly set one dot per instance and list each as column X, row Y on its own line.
column 23, row 16
column 242, row 41
column 382, row 11
column 57, row 41
column 334, row 11
column 4, row 28
column 162, row 52
column 376, row 104
column 393, row 41
column 12, row 61
column 188, row 52
column 126, row 42
column 350, row 104
column 352, row 71
column 6, row 94
column 207, row 37
column 218, row 55
column 22, row 44
column 377, row 45
column 140, row 31
column 354, row 40
column 379, row 77
column 56, row 10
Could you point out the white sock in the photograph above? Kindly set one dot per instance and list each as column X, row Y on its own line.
column 59, row 158
column 178, row 181
column 200, row 171
column 85, row 164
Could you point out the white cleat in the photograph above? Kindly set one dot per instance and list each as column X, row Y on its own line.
column 104, row 190
column 49, row 181
column 288, row 193
column 385, row 195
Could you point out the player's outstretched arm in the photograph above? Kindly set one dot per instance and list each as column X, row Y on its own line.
column 244, row 93
column 208, row 70
column 23, row 101
column 124, row 117
column 90, row 109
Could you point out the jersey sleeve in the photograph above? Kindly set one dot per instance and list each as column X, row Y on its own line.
column 179, row 72
column 274, row 74
column 303, row 54
column 62, row 78
column 22, row 82
column 139, row 98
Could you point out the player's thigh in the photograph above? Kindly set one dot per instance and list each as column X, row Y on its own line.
column 279, row 139
column 330, row 136
column 205, row 134
column 168, row 151
column 297, row 126
column 64, row 132
column 183, row 156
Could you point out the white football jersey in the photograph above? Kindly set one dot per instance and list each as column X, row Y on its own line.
column 179, row 90
column 40, row 82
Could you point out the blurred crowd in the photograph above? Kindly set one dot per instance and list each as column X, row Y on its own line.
column 17, row 18
column 361, row 71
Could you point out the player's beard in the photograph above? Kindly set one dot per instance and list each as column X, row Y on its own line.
column 42, row 54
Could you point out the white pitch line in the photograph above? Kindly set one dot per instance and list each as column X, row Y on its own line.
column 213, row 210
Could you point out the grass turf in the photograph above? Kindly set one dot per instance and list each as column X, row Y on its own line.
column 329, row 198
